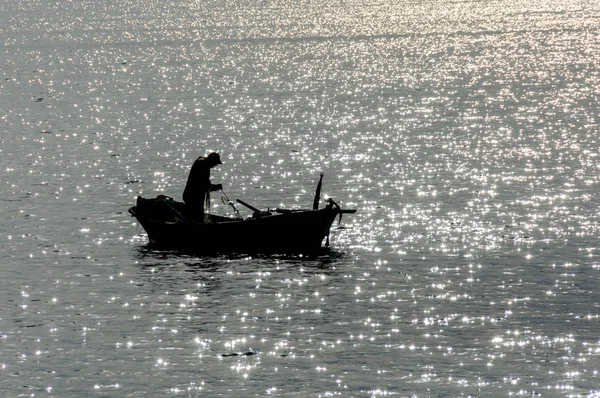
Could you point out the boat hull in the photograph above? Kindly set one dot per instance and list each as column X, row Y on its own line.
column 168, row 224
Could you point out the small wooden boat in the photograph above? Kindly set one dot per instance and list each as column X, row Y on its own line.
column 169, row 223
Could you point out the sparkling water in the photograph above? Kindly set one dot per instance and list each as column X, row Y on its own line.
column 466, row 134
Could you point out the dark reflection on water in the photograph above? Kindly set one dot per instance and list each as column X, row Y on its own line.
column 323, row 257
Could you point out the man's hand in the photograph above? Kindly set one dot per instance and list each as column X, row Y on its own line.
column 216, row 187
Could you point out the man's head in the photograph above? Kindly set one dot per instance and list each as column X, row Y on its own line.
column 213, row 159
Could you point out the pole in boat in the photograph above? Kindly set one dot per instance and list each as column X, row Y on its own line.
column 318, row 194
column 237, row 213
column 254, row 209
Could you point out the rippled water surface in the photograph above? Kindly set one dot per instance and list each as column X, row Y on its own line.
column 465, row 133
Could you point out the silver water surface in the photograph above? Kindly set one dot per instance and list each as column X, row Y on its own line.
column 465, row 133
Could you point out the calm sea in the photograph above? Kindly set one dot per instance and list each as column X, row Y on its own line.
column 466, row 133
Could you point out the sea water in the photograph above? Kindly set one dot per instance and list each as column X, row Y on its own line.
column 466, row 135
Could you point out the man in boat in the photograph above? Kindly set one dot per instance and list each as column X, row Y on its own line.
column 198, row 187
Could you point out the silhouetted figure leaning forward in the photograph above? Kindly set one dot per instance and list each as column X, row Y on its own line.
column 198, row 185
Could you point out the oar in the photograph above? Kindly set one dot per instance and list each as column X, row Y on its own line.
column 318, row 193
column 247, row 205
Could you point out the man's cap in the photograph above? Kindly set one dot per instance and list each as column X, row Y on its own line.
column 215, row 157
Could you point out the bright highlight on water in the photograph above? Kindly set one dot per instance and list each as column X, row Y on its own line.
column 466, row 135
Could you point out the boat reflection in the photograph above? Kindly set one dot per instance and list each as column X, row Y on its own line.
column 170, row 268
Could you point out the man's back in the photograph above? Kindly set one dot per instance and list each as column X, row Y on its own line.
column 198, row 183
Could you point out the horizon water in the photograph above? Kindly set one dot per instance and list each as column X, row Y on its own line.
column 466, row 134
